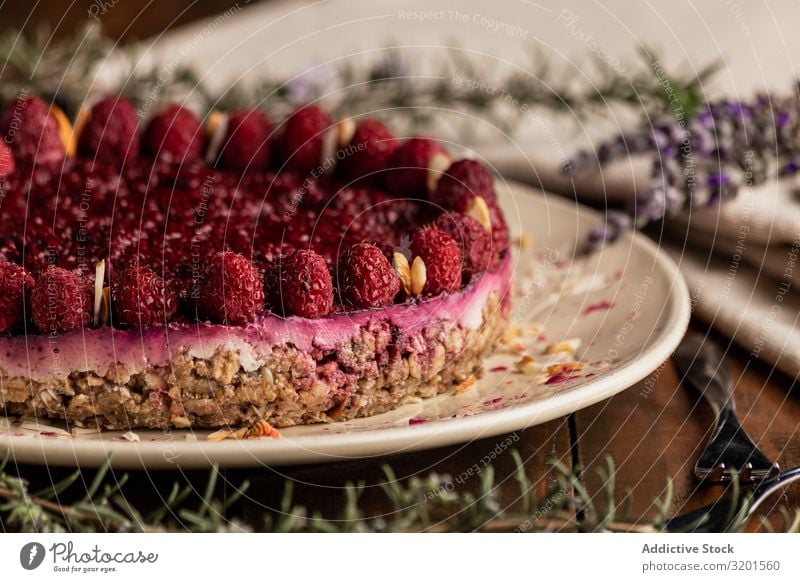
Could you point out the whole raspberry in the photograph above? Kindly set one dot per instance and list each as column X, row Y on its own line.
column 230, row 291
column 442, row 259
column 15, row 287
column 111, row 135
column 462, row 181
column 366, row 278
column 32, row 132
column 6, row 161
column 368, row 151
column 303, row 138
column 175, row 135
column 247, row 143
column 473, row 240
column 300, row 284
column 61, row 301
column 415, row 165
column 140, row 298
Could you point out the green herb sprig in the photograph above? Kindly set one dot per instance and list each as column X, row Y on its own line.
column 63, row 70
column 429, row 504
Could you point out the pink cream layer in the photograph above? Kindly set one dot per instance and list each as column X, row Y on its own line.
column 42, row 357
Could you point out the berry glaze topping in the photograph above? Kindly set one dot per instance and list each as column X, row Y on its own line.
column 228, row 224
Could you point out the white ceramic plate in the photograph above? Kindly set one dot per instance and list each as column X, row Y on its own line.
column 628, row 305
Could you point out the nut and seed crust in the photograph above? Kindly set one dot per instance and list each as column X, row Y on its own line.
column 375, row 371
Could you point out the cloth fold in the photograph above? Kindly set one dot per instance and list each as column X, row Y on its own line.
column 740, row 259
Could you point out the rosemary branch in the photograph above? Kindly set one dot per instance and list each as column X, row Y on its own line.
column 63, row 70
column 430, row 504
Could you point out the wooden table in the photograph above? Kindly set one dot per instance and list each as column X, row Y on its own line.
column 653, row 432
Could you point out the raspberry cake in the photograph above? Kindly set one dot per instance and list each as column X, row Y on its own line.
column 174, row 273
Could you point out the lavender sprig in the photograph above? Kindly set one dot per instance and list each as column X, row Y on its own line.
column 708, row 157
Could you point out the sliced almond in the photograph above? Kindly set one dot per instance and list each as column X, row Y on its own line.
column 216, row 128
column 518, row 348
column 105, row 306
column 336, row 412
column 262, row 429
column 84, row 115
column 564, row 368
column 219, row 435
column 329, row 145
column 180, row 421
column 479, row 210
column 527, row 365
column 345, row 130
column 99, row 278
column 403, row 271
column 465, row 385
column 570, row 346
column 216, row 119
column 512, row 333
column 436, row 167
column 524, row 242
column 418, row 276
column 131, row 436
column 65, row 130
column 102, row 314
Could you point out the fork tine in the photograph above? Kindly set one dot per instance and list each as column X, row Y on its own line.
column 718, row 474
column 729, row 448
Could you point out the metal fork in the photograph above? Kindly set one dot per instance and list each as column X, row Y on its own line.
column 729, row 510
column 730, row 451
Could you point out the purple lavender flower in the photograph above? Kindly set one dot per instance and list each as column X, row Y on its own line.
column 311, row 83
column 706, row 159
column 790, row 168
column 609, row 231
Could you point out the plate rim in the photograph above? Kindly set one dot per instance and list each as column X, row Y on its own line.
column 401, row 439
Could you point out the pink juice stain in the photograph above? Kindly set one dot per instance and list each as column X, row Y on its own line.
column 558, row 378
column 601, row 306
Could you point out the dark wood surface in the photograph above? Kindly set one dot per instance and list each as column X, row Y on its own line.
column 653, row 431
column 124, row 20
